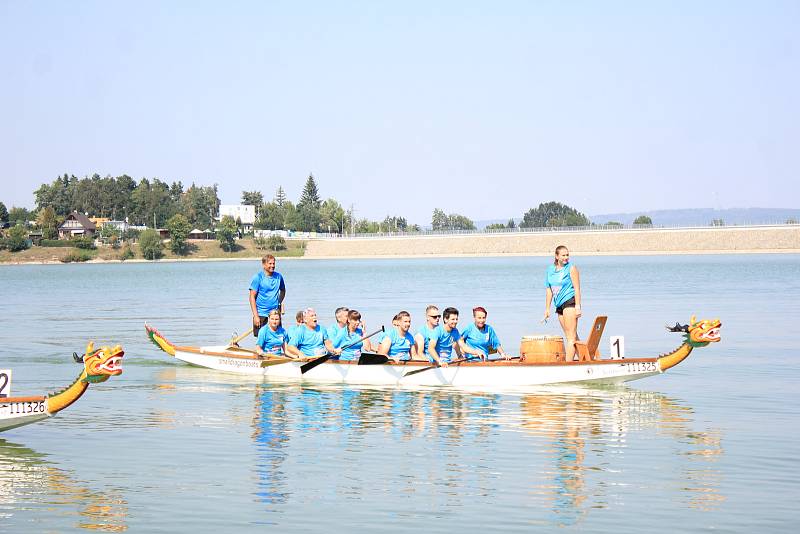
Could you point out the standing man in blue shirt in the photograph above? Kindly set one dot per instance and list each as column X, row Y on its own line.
column 267, row 291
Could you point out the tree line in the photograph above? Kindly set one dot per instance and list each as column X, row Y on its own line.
column 154, row 203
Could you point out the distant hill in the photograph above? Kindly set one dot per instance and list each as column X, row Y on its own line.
column 704, row 216
column 688, row 217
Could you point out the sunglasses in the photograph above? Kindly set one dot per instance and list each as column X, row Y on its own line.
column 434, row 316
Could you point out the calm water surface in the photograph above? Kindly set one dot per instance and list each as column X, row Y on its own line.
column 711, row 445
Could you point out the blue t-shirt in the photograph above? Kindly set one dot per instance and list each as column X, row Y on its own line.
column 336, row 334
column 353, row 352
column 401, row 345
column 309, row 342
column 427, row 334
column 560, row 281
column 267, row 289
column 483, row 340
column 271, row 342
column 444, row 343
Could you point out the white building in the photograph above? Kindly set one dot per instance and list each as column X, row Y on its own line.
column 242, row 212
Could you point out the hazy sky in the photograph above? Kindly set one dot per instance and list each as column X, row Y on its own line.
column 480, row 108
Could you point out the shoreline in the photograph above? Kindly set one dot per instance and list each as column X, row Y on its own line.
column 420, row 256
column 644, row 242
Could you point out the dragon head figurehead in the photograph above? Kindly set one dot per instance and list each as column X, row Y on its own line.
column 101, row 364
column 699, row 333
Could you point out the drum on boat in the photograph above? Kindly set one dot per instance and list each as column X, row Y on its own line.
column 542, row 349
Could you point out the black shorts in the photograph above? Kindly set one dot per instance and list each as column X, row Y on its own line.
column 257, row 326
column 569, row 304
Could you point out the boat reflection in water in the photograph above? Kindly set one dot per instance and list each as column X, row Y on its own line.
column 564, row 449
column 28, row 481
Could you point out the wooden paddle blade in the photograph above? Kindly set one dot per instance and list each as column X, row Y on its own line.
column 415, row 371
column 369, row 358
column 306, row 367
column 275, row 361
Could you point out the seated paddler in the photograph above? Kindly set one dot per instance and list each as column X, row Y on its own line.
column 428, row 330
column 337, row 329
column 310, row 339
column 480, row 339
column 398, row 343
column 354, row 331
column 272, row 337
column 444, row 341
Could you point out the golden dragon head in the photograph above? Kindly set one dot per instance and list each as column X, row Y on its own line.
column 101, row 364
column 699, row 333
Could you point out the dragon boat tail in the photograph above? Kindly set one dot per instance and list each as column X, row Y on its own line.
column 98, row 366
column 372, row 369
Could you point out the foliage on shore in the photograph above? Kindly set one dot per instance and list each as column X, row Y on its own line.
column 199, row 250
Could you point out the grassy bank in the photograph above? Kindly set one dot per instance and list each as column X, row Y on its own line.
column 199, row 250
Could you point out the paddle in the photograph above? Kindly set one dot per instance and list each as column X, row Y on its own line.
column 436, row 366
column 322, row 359
column 235, row 341
column 370, row 358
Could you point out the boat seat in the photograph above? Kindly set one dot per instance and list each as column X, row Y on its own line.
column 590, row 349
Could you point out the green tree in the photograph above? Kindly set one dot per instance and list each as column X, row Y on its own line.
column 17, row 238
column 460, row 222
column 394, row 224
column 19, row 215
column 3, row 213
column 270, row 217
column 276, row 243
column 253, row 198
column 439, row 220
column 280, row 197
column 179, row 229
column 553, row 214
column 200, row 205
column 150, row 244
column 717, row 222
column 332, row 216
column 151, row 203
column 614, row 223
column 643, row 219
column 226, row 233
column 365, row 226
column 308, row 207
column 790, row 220
column 511, row 224
column 496, row 226
column 46, row 220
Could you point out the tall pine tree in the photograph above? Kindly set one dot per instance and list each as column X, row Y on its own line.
column 308, row 207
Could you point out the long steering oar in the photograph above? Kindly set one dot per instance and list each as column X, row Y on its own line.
column 306, row 367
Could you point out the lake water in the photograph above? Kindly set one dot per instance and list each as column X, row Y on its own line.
column 165, row 447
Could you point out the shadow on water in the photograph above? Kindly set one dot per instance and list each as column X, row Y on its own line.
column 29, row 480
column 571, row 443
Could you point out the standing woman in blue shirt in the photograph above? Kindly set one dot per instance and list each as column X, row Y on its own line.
column 562, row 284
column 267, row 292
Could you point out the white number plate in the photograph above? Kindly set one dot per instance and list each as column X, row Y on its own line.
column 5, row 383
column 617, row 347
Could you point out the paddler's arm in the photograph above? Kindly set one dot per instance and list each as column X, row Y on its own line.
column 331, row 349
column 466, row 349
column 253, row 306
column 548, row 298
column 281, row 296
column 293, row 351
column 384, row 346
column 576, row 283
column 434, row 354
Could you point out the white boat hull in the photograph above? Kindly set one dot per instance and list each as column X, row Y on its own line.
column 497, row 374
column 14, row 414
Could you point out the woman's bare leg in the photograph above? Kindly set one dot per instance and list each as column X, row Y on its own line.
column 569, row 322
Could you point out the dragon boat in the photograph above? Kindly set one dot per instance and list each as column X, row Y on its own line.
column 526, row 370
column 98, row 366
